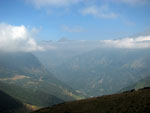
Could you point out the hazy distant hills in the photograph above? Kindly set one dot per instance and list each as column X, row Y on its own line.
column 99, row 71
column 24, row 70
column 129, row 102
column 144, row 82
column 104, row 71
column 11, row 105
column 60, row 51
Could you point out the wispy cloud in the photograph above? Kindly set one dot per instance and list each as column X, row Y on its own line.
column 138, row 42
column 16, row 38
column 62, row 3
column 74, row 29
column 101, row 12
column 129, row 23
column 53, row 3
column 130, row 2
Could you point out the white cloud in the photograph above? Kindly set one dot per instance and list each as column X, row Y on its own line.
column 57, row 3
column 139, row 42
column 16, row 38
column 142, row 38
column 75, row 29
column 101, row 12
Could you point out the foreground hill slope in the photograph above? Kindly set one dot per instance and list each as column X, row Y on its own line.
column 11, row 105
column 127, row 102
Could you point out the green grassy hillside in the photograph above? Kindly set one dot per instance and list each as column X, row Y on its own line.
column 30, row 96
column 127, row 102
column 25, row 70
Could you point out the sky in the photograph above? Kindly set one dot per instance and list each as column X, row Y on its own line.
column 77, row 19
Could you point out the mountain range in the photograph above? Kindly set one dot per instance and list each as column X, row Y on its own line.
column 25, row 78
column 72, row 70
column 99, row 71
column 144, row 82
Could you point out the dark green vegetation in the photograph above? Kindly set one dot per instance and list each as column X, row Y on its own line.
column 129, row 102
column 100, row 71
column 26, row 79
column 30, row 96
column 11, row 105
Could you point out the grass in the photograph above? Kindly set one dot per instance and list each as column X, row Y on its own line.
column 127, row 102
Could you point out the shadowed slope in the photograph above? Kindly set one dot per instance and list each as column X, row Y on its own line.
column 11, row 105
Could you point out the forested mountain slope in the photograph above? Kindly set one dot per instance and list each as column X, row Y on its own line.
column 24, row 70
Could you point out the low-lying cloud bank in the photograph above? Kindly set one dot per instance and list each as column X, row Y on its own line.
column 138, row 42
column 19, row 38
column 16, row 38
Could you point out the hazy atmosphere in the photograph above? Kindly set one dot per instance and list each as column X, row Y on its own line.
column 69, row 54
